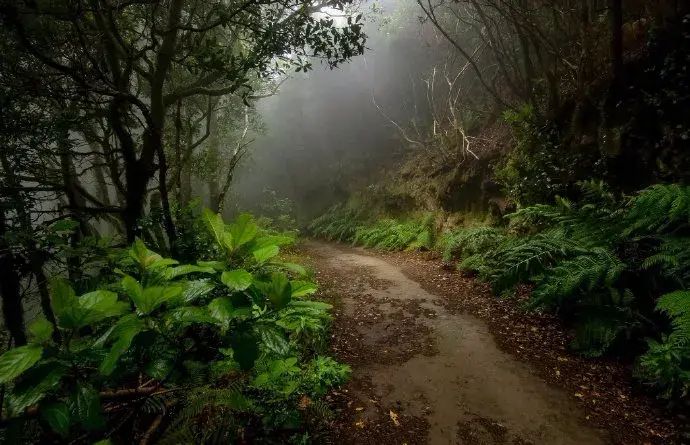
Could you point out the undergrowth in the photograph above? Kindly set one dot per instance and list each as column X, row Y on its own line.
column 616, row 268
column 225, row 349
column 342, row 224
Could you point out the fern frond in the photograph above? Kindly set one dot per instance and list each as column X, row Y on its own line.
column 473, row 240
column 320, row 410
column 582, row 274
column 676, row 305
column 672, row 259
column 659, row 208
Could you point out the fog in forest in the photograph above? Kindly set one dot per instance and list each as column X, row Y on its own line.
column 323, row 132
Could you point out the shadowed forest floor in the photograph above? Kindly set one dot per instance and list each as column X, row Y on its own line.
column 436, row 359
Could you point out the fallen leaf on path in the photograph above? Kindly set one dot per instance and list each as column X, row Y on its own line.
column 359, row 423
column 394, row 418
column 359, row 408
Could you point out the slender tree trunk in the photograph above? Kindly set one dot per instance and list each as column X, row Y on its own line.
column 10, row 289
column 214, row 194
column 75, row 201
column 44, row 292
column 165, row 201
column 214, row 157
column 616, row 18
column 102, row 192
column 178, row 151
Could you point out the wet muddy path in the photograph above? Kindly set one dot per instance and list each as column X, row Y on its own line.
column 424, row 375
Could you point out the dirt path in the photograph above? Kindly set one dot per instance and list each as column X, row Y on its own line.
column 438, row 375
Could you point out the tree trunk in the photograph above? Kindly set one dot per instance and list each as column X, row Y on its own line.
column 10, row 289
column 214, row 194
column 102, row 192
column 44, row 292
column 214, row 157
column 616, row 19
column 165, row 201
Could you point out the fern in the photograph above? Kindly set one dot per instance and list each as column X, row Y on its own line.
column 672, row 259
column 471, row 241
column 659, row 209
column 676, row 305
column 339, row 223
column 522, row 259
column 582, row 274
column 666, row 364
column 211, row 405
column 320, row 410
column 390, row 234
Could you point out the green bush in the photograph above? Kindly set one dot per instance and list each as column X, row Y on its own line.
column 225, row 345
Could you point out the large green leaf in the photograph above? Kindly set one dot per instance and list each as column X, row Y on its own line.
column 41, row 330
column 221, row 309
column 274, row 340
column 272, row 240
column 191, row 314
column 152, row 297
column 132, row 288
column 146, row 258
column 218, row 266
column 124, row 332
column 17, row 360
column 34, row 385
column 245, row 348
column 194, row 290
column 302, row 288
column 64, row 225
column 281, row 292
column 100, row 305
column 263, row 254
column 243, row 230
column 62, row 296
column 174, row 272
column 57, row 416
column 91, row 308
column 293, row 267
column 216, row 226
column 238, row 279
column 85, row 407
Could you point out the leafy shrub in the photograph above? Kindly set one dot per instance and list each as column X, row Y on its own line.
column 218, row 344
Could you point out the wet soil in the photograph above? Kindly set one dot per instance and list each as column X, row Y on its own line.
column 424, row 373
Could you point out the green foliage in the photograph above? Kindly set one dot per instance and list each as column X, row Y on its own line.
column 471, row 241
column 339, row 223
column 659, row 208
column 584, row 257
column 540, row 166
column 616, row 268
column 197, row 334
column 390, row 234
